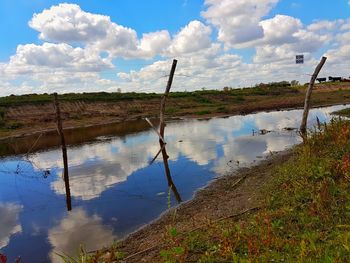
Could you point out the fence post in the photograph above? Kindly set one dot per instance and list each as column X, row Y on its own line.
column 161, row 131
column 308, row 96
column 64, row 152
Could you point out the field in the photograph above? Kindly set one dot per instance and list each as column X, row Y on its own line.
column 32, row 113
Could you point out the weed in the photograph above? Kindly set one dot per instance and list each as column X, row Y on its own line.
column 203, row 112
column 170, row 110
column 222, row 109
column 306, row 216
column 99, row 256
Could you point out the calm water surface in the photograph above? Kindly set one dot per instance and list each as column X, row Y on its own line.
column 114, row 189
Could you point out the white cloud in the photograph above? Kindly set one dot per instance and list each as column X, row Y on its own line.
column 323, row 25
column 237, row 21
column 154, row 43
column 67, row 23
column 280, row 29
column 193, row 37
column 33, row 58
column 286, row 36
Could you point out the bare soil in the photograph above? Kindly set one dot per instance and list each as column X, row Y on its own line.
column 227, row 196
column 30, row 119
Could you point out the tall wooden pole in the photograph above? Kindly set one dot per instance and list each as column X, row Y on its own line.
column 64, row 152
column 161, row 132
column 308, row 96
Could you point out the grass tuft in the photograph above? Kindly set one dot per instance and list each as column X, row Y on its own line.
column 306, row 216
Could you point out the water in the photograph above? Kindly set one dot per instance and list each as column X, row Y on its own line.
column 114, row 189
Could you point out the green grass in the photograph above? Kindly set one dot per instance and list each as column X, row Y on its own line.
column 222, row 109
column 201, row 96
column 100, row 256
column 343, row 112
column 306, row 217
column 14, row 100
column 171, row 110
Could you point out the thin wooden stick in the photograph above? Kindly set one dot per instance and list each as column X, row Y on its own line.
column 159, row 135
column 308, row 96
column 161, row 132
column 64, row 152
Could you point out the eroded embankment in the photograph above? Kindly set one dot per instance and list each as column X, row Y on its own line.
column 29, row 118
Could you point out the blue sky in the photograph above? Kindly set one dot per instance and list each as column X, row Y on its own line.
column 69, row 46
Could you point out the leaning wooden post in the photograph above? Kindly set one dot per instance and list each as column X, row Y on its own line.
column 64, row 152
column 308, row 96
column 161, row 132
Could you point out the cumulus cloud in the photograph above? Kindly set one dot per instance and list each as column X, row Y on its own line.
column 154, row 43
column 68, row 23
column 286, row 36
column 280, row 29
column 237, row 21
column 193, row 37
column 33, row 58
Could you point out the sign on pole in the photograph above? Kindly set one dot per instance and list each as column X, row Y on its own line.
column 299, row 59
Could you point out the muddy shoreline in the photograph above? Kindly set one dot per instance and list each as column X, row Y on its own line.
column 233, row 195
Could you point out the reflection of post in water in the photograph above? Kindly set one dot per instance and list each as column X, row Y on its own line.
column 64, row 152
column 162, row 142
column 167, row 172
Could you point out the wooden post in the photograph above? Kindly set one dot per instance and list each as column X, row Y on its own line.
column 161, row 133
column 64, row 152
column 308, row 96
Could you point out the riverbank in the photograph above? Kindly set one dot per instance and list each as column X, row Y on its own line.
column 29, row 115
column 292, row 207
column 235, row 195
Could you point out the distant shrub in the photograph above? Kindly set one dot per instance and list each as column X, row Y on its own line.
column 203, row 112
column 170, row 110
column 222, row 109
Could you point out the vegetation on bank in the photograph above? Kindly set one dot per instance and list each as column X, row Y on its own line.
column 343, row 112
column 29, row 113
column 274, row 88
column 306, row 217
column 200, row 102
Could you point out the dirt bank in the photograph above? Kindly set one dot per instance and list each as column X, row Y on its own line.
column 236, row 194
column 25, row 119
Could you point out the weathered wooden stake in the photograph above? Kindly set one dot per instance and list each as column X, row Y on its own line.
column 161, row 132
column 64, row 152
column 308, row 96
